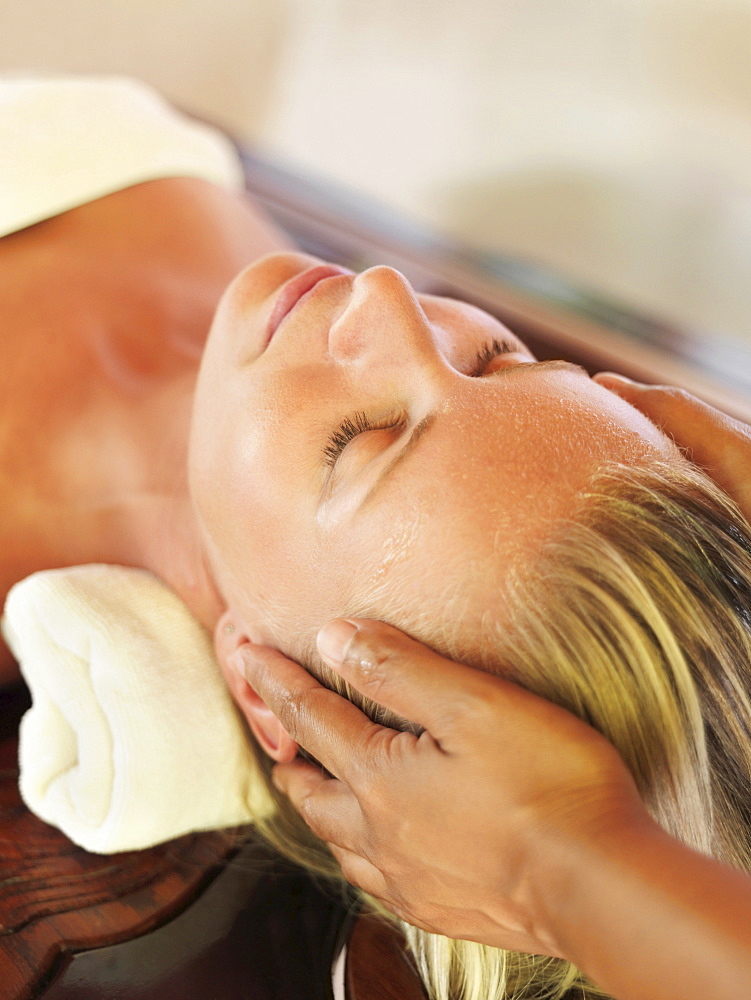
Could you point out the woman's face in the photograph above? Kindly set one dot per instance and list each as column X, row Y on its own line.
column 361, row 449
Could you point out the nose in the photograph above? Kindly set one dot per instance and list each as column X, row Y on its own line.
column 383, row 322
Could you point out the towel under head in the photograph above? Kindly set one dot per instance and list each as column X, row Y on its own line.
column 132, row 738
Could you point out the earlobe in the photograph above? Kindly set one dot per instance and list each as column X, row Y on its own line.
column 264, row 725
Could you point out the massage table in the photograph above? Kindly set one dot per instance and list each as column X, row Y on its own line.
column 216, row 916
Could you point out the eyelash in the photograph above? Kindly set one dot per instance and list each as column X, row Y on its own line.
column 486, row 354
column 360, row 423
column 350, row 427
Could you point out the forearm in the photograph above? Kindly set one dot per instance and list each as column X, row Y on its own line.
column 648, row 919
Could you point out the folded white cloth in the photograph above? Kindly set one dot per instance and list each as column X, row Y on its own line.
column 67, row 140
column 132, row 737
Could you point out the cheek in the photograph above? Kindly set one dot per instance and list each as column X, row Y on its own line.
column 280, row 571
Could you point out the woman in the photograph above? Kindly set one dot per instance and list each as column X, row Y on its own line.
column 353, row 449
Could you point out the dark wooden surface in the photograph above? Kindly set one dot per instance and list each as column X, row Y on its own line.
column 56, row 897
column 212, row 916
column 377, row 966
column 259, row 931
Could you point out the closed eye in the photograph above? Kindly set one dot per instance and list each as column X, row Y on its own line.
column 350, row 427
column 400, row 421
column 359, row 422
column 489, row 351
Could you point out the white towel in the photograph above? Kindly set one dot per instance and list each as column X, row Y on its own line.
column 132, row 737
column 67, row 140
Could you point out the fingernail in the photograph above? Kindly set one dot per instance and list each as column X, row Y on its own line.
column 243, row 660
column 276, row 780
column 238, row 661
column 334, row 639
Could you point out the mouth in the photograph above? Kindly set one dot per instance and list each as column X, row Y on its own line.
column 296, row 289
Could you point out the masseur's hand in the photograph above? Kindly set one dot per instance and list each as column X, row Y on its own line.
column 712, row 439
column 470, row 829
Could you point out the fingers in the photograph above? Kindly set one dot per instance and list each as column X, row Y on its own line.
column 321, row 721
column 333, row 813
column 360, row 872
column 401, row 674
column 690, row 421
column 712, row 439
column 327, row 805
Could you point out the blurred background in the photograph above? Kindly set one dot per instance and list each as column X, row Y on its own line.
column 607, row 139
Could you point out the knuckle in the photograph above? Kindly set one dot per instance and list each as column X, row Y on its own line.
column 290, row 712
column 373, row 660
column 298, row 710
column 476, row 706
column 383, row 752
column 307, row 811
column 379, row 783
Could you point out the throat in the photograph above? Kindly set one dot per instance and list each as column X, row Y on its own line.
column 119, row 484
column 148, row 520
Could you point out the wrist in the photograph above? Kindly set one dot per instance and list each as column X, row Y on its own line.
column 644, row 916
column 575, row 866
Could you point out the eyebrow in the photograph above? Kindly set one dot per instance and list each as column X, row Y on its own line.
column 427, row 422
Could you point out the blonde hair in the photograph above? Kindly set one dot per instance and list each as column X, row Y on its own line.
column 637, row 618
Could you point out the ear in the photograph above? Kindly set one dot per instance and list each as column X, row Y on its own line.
column 267, row 729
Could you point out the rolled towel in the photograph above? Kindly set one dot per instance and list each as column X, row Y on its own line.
column 132, row 738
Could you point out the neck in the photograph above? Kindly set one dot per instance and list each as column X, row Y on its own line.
column 165, row 539
column 138, row 508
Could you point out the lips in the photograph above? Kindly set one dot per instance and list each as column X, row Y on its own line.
column 294, row 290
